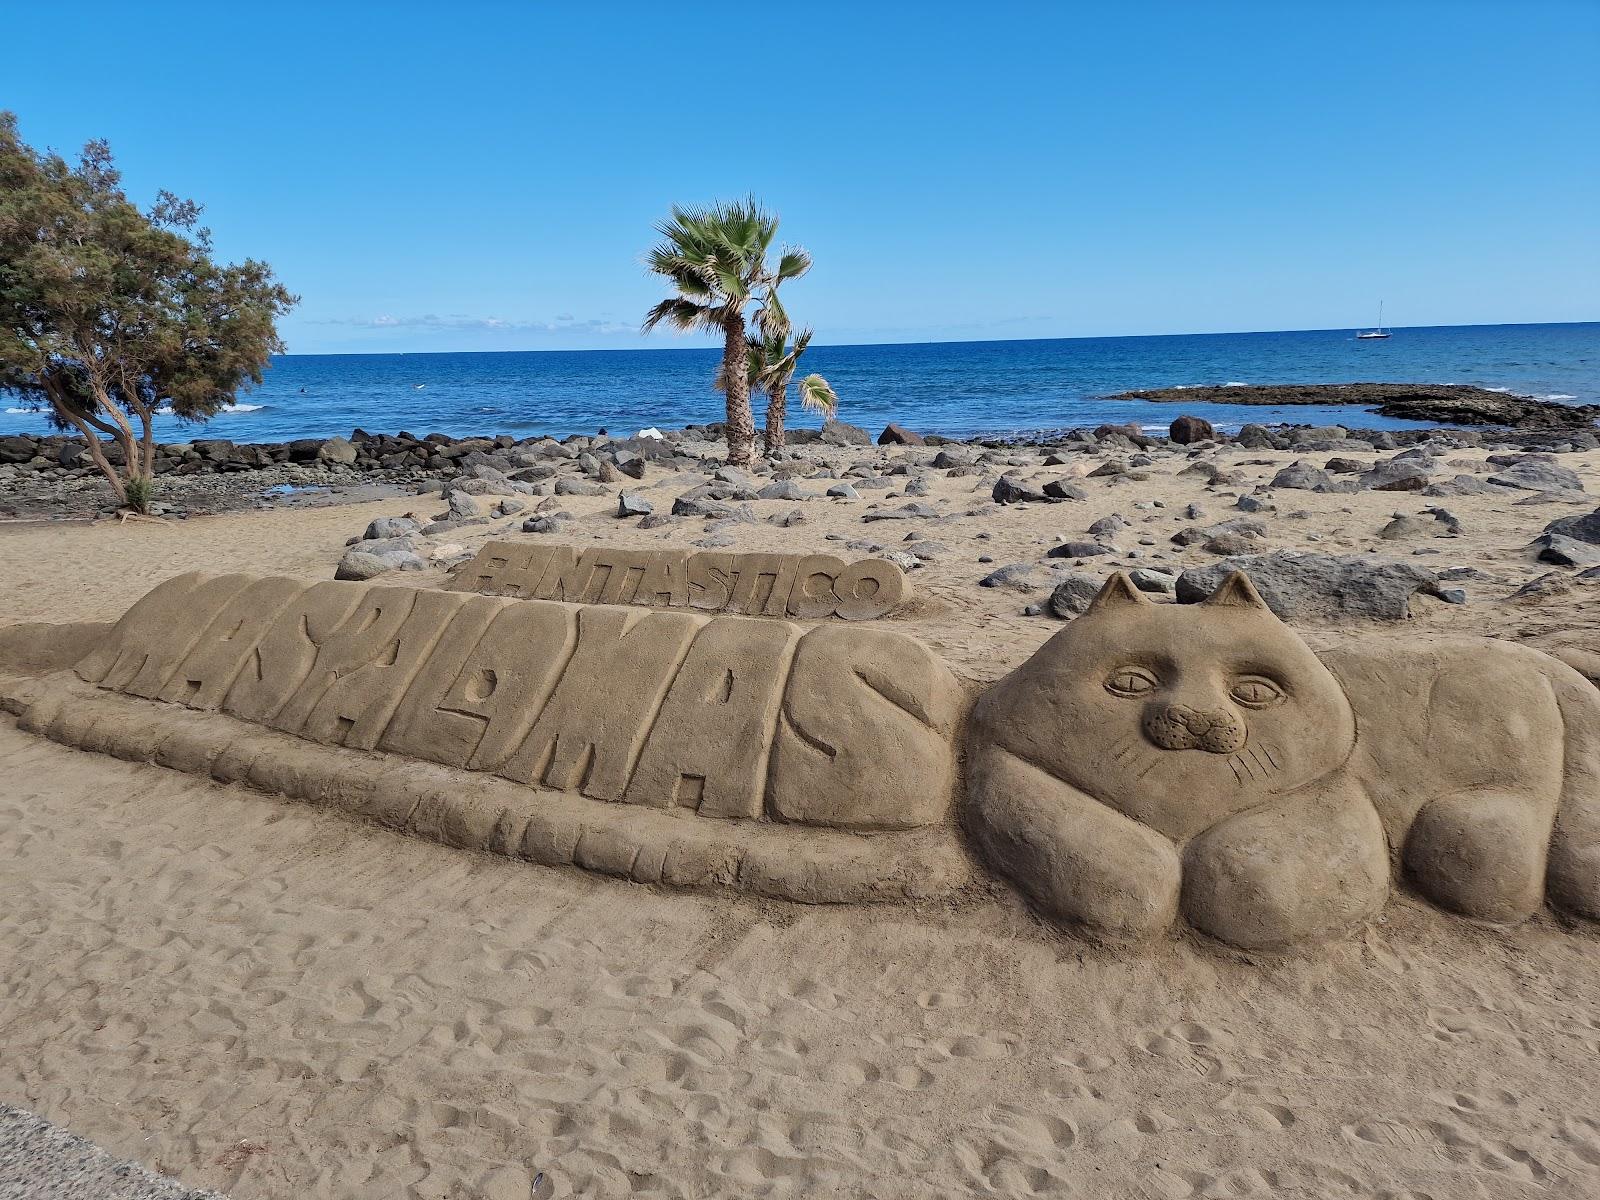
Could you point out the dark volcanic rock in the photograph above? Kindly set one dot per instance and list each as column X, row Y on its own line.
column 1188, row 429
column 1303, row 476
column 899, row 435
column 1583, row 528
column 1077, row 550
column 1060, row 489
column 1442, row 403
column 1330, row 587
column 1537, row 473
column 837, row 433
column 1008, row 490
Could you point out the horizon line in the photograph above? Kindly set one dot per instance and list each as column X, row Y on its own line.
column 1103, row 337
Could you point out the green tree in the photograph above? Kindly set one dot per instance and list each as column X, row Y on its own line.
column 107, row 313
column 773, row 364
column 716, row 260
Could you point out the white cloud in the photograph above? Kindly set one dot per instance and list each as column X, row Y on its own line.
column 458, row 322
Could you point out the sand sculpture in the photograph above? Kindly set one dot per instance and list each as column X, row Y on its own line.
column 1151, row 765
column 1152, row 760
column 804, row 586
column 601, row 709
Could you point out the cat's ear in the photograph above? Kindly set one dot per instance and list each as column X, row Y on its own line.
column 1118, row 591
column 1238, row 592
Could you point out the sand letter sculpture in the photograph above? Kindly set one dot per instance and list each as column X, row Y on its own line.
column 668, row 747
column 1152, row 760
column 804, row 586
column 1151, row 764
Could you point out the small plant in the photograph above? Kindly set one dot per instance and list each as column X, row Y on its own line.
column 139, row 490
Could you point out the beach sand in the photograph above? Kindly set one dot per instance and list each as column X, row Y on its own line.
column 271, row 1000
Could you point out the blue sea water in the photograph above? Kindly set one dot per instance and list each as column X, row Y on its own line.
column 956, row 388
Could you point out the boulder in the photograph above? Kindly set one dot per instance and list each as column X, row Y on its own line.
column 783, row 489
column 1537, row 473
column 1073, row 595
column 464, row 506
column 1299, row 585
column 1077, row 550
column 1255, row 437
column 1010, row 490
column 1568, row 552
column 1583, row 528
column 837, row 433
column 1147, row 579
column 899, row 435
column 1302, row 476
column 1015, row 577
column 391, row 527
column 545, row 523
column 358, row 563
column 631, row 504
column 579, row 487
column 904, row 513
column 1060, row 489
column 337, row 450
column 1186, row 430
column 716, row 510
column 1397, row 475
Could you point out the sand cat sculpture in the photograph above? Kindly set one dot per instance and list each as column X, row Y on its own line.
column 1155, row 759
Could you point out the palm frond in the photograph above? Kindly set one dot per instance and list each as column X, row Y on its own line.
column 794, row 262
column 681, row 313
column 772, row 319
column 817, row 395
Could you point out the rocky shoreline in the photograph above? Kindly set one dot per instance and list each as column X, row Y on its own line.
column 1445, row 403
column 51, row 476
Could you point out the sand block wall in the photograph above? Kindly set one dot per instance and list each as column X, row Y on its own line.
column 802, row 586
column 660, row 745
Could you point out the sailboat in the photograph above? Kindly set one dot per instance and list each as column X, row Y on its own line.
column 1374, row 333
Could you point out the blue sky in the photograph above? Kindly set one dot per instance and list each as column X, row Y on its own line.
column 484, row 177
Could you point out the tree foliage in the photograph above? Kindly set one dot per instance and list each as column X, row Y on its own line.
column 716, row 261
column 773, row 365
column 108, row 313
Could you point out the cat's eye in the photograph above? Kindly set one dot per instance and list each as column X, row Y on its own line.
column 1255, row 692
column 1130, row 681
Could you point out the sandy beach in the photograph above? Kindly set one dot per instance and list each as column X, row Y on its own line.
column 268, row 999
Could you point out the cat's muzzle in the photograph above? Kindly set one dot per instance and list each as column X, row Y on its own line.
column 1179, row 727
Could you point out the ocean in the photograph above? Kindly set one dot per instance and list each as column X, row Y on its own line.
column 955, row 388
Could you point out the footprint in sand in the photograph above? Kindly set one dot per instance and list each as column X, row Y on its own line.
column 982, row 1047
column 948, row 999
column 1089, row 1064
column 851, row 1071
column 640, row 987
column 1040, row 1132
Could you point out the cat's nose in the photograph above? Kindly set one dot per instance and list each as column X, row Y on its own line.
column 1191, row 719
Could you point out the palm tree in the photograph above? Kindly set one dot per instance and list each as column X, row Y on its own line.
column 772, row 366
column 716, row 258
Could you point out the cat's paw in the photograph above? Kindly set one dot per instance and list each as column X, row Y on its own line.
column 1274, row 876
column 1082, row 863
column 1480, row 854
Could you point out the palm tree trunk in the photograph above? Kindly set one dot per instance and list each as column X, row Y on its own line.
column 736, row 387
column 777, row 410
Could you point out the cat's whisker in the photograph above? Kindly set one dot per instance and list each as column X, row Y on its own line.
column 1257, row 759
column 1151, row 765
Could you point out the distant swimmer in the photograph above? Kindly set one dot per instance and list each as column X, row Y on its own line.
column 419, row 387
